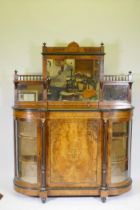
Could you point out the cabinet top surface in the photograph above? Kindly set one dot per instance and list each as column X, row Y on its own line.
column 89, row 109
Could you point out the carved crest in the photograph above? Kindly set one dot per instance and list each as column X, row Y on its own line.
column 73, row 47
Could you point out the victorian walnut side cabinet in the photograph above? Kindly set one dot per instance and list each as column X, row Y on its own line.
column 72, row 126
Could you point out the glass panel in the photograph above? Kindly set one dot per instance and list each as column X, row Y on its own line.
column 119, row 149
column 119, row 171
column 119, row 152
column 27, row 151
column 116, row 92
column 30, row 92
column 73, row 79
column 120, row 129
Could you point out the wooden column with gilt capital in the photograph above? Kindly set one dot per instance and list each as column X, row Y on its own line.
column 104, row 188
column 43, row 190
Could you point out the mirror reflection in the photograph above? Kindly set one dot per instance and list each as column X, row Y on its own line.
column 72, row 79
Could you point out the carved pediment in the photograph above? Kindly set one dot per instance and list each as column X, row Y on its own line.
column 73, row 47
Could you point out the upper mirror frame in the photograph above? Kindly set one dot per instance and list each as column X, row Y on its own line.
column 73, row 50
column 82, row 56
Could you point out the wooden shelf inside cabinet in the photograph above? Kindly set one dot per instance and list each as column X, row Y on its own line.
column 72, row 126
column 120, row 159
column 119, row 135
column 29, row 158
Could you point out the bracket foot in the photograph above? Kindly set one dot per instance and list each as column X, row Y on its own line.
column 103, row 199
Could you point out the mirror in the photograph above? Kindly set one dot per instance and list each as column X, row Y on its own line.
column 73, row 79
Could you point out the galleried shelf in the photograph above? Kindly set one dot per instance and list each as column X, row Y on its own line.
column 72, row 126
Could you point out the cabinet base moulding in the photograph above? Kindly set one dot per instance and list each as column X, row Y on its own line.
column 73, row 192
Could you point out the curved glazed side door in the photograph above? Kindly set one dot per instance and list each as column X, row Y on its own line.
column 27, row 151
column 119, row 151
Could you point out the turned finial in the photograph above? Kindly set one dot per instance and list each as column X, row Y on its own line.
column 16, row 72
column 44, row 44
column 102, row 47
column 130, row 75
column 16, row 75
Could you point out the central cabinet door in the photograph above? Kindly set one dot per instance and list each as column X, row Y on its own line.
column 74, row 154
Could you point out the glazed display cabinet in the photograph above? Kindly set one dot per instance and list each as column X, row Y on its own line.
column 72, row 126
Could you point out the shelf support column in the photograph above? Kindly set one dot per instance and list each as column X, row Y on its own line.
column 43, row 191
column 104, row 188
column 16, row 153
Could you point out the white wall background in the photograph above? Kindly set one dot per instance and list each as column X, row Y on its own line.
column 25, row 25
